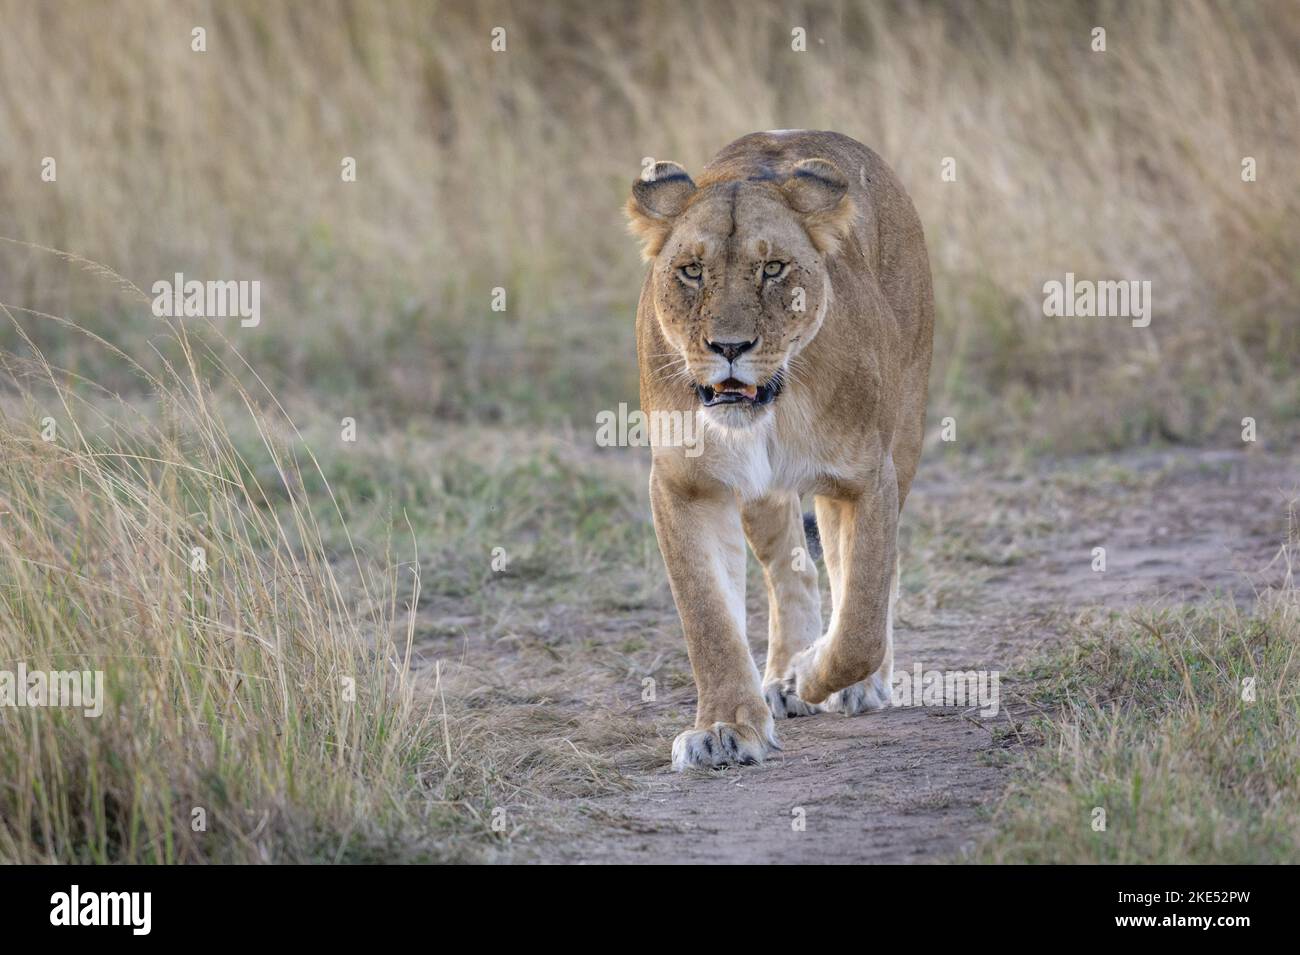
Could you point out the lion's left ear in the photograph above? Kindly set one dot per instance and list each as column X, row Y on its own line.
column 658, row 197
column 818, row 191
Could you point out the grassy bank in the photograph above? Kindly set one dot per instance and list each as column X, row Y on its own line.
column 257, row 702
column 255, row 597
column 1182, row 726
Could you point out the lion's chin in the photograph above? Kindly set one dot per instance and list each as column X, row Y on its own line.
column 736, row 416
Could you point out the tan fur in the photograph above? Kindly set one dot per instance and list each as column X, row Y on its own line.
column 846, row 427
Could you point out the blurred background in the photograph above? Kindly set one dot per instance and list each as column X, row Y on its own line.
column 478, row 169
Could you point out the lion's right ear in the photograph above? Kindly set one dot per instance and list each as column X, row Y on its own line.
column 658, row 196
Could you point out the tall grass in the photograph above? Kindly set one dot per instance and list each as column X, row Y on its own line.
column 259, row 701
column 479, row 170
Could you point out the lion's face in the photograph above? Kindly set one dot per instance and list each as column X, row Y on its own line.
column 739, row 279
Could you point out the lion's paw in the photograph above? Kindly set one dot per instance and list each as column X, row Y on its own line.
column 722, row 744
column 785, row 703
column 870, row 694
column 799, row 680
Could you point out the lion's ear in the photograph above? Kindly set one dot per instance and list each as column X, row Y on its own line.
column 658, row 196
column 818, row 191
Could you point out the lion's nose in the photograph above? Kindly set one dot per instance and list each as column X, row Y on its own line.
column 731, row 350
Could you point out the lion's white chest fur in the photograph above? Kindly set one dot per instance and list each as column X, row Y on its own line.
column 759, row 460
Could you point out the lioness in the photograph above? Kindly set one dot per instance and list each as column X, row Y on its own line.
column 788, row 304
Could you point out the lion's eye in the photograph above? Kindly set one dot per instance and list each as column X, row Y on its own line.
column 691, row 272
column 772, row 269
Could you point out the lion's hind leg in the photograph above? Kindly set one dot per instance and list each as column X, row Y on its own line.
column 777, row 533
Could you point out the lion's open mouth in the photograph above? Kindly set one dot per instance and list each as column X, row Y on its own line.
column 731, row 392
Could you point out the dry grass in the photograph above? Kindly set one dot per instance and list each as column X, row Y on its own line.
column 258, row 685
column 479, row 170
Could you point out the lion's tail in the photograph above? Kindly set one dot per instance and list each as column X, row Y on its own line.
column 814, row 536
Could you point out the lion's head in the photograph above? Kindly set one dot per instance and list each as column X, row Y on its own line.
column 739, row 276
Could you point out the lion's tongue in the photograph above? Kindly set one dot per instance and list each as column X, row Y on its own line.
column 731, row 385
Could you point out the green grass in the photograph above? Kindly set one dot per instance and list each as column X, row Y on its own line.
column 1145, row 718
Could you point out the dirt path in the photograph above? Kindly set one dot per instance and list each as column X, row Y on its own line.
column 1000, row 564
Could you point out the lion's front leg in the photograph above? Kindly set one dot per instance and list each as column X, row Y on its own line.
column 860, row 540
column 704, row 550
column 875, row 692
